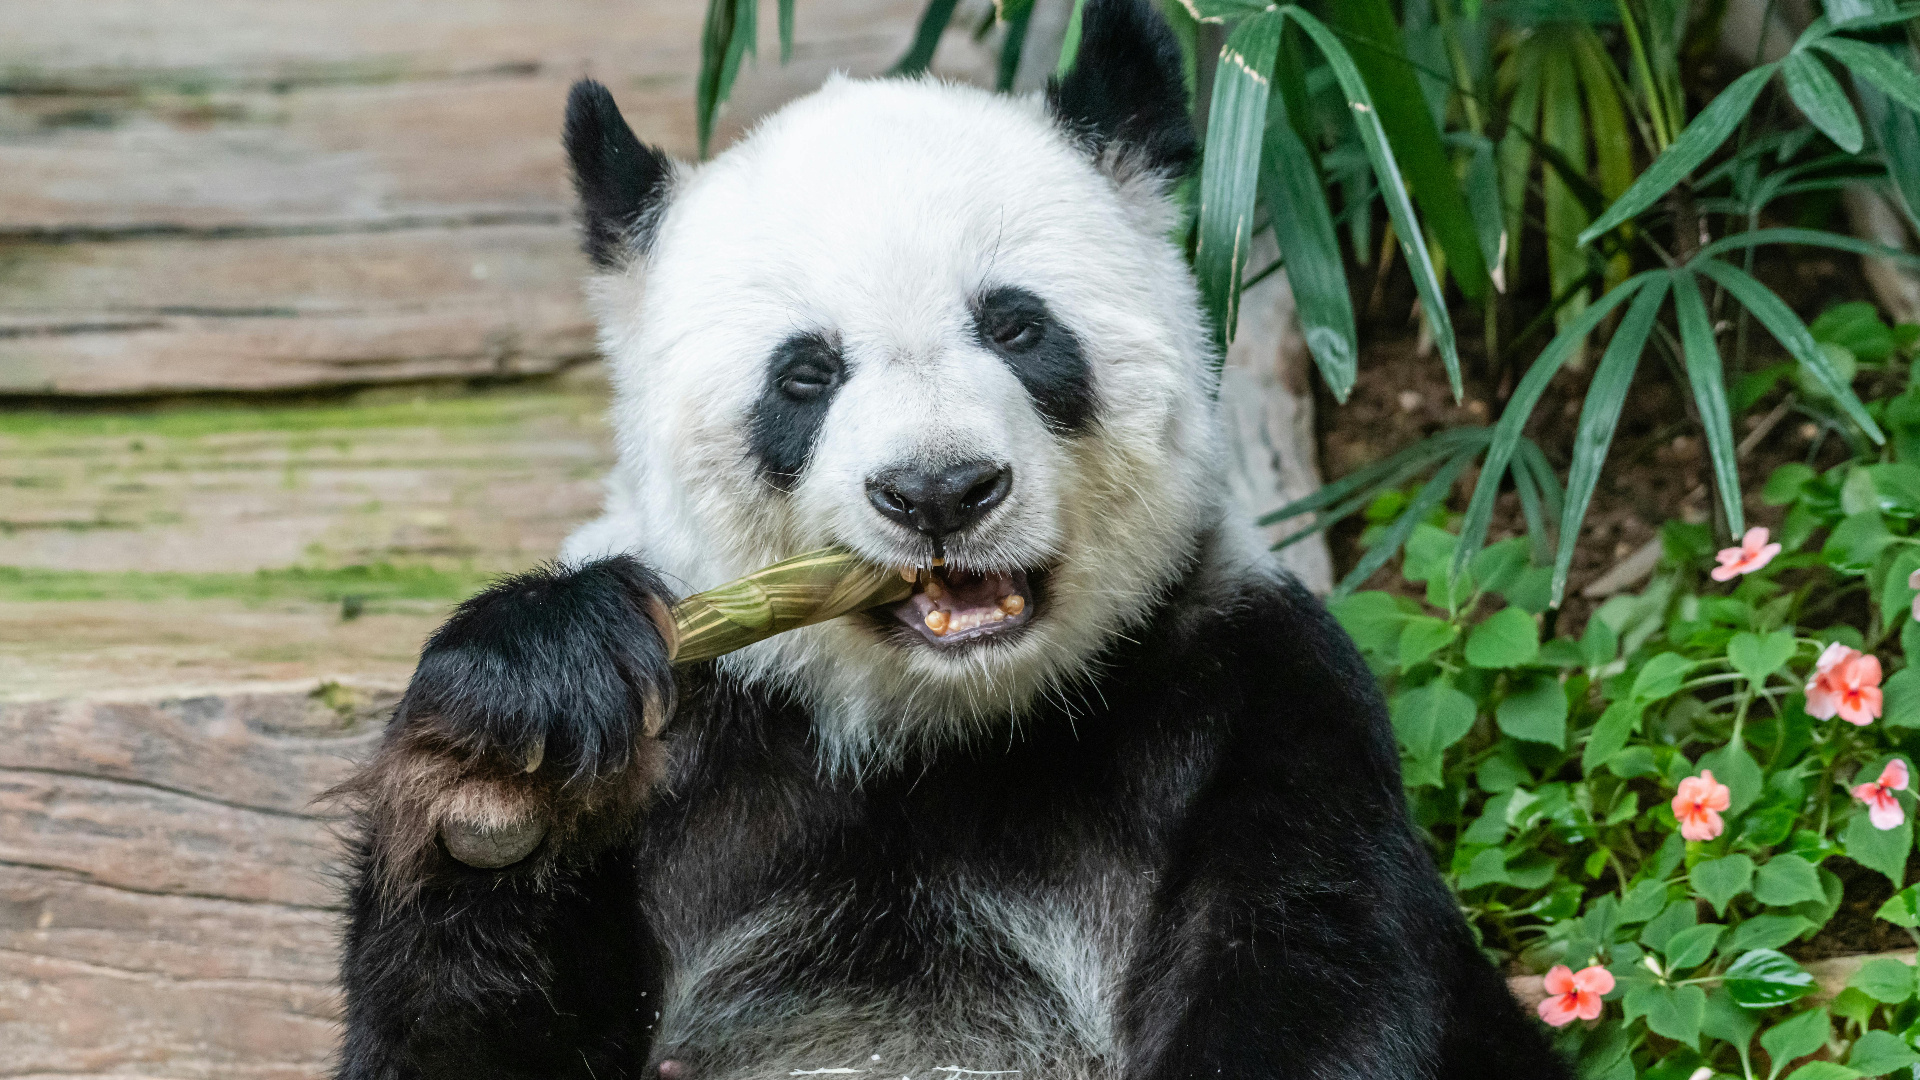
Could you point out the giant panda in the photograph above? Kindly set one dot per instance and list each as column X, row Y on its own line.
column 1110, row 796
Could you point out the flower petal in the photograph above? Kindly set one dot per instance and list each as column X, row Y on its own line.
column 1594, row 980
column 1559, row 980
column 1895, row 775
column 1559, row 1010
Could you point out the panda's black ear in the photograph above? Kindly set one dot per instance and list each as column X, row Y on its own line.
column 1127, row 90
column 623, row 183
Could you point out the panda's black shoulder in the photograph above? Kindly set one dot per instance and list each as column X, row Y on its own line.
column 1245, row 646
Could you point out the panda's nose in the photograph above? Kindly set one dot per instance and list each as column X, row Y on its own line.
column 940, row 502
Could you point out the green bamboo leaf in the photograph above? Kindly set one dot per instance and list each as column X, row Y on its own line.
column 1303, row 228
column 1230, row 175
column 1818, row 94
column 1535, row 460
column 1516, row 148
column 1532, row 509
column 1506, row 434
column 1705, row 374
column 1810, row 237
column 926, row 38
column 1016, row 15
column 1070, row 44
column 1417, row 510
column 1877, row 66
column 1898, row 133
column 1864, row 21
column 1599, row 416
column 1791, row 333
column 1563, row 129
column 1701, row 138
column 1410, row 130
column 1393, row 190
column 1483, row 200
column 1217, row 11
column 726, row 39
column 1612, row 146
column 786, row 30
column 1364, row 480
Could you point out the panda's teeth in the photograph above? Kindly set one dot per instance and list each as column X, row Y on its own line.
column 910, row 573
column 937, row 621
column 1013, row 604
column 934, row 589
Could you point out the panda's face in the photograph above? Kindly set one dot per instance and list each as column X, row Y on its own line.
column 924, row 322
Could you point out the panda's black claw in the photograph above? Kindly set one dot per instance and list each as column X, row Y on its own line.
column 561, row 668
column 526, row 737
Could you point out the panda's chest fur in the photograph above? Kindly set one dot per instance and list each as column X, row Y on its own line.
column 975, row 914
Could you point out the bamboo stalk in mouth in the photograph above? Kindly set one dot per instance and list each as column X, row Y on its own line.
column 806, row 589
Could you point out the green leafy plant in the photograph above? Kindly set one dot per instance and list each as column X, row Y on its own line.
column 1665, row 196
column 1675, row 796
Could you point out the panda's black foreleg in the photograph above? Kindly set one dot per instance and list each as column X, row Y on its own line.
column 494, row 926
column 1302, row 942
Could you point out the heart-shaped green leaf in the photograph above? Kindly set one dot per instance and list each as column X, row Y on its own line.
column 1786, row 880
column 1507, row 638
column 1720, row 880
column 1535, row 710
column 1796, row 1036
column 1884, row 979
column 1758, row 656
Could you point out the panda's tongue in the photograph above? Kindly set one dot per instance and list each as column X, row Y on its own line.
column 951, row 605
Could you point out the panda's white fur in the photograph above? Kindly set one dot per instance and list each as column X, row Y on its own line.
column 871, row 211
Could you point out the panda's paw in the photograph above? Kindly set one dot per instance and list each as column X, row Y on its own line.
column 526, row 739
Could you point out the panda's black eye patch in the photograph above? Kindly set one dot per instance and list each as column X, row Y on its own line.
column 802, row 375
column 808, row 380
column 1044, row 355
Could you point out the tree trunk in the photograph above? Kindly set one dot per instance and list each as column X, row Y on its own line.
column 1266, row 407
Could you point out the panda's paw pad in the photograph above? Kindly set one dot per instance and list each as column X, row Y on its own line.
column 431, row 803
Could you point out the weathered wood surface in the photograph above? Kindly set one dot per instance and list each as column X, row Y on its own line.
column 490, row 482
column 244, row 195
column 168, row 888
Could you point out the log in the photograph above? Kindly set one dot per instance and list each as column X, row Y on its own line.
column 1266, row 407
column 168, row 890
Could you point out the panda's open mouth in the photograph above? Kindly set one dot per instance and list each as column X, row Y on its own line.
column 950, row 606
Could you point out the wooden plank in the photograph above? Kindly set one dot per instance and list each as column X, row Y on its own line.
column 67, row 1019
column 335, row 157
column 168, row 896
column 326, row 99
column 138, row 532
column 133, row 44
column 483, row 482
column 278, row 312
column 64, row 649
column 210, row 120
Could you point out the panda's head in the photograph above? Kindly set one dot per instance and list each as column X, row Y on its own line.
column 936, row 325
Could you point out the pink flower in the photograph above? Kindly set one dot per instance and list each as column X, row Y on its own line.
column 1882, row 808
column 1753, row 553
column 1698, row 806
column 1574, row 995
column 1845, row 683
